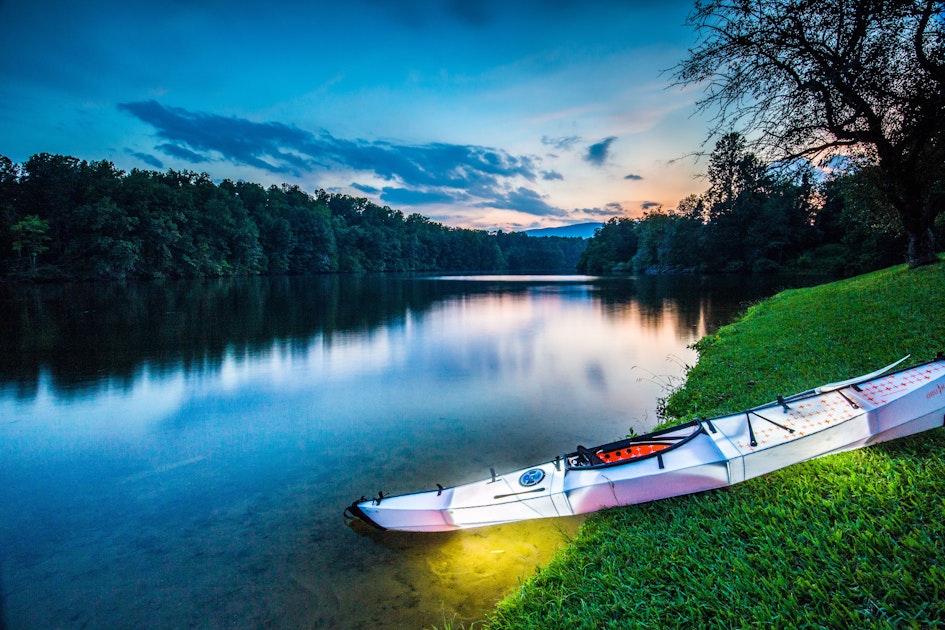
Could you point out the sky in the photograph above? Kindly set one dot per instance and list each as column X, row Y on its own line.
column 508, row 114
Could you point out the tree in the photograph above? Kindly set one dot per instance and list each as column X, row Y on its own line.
column 9, row 184
column 30, row 235
column 864, row 78
column 103, row 244
column 655, row 234
column 51, row 188
column 613, row 247
column 738, row 183
column 686, row 252
column 158, row 219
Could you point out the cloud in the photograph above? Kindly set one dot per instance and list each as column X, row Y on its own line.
column 196, row 136
column 411, row 197
column 423, row 173
column 609, row 210
column 597, row 153
column 614, row 206
column 564, row 143
column 633, row 177
column 147, row 158
column 371, row 190
column 524, row 200
column 551, row 175
column 649, row 205
column 180, row 152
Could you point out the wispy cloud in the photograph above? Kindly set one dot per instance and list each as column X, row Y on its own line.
column 527, row 201
column 633, row 177
column 612, row 209
column 597, row 153
column 613, row 206
column 434, row 173
column 413, row 197
column 563, row 143
column 182, row 153
column 371, row 190
column 147, row 158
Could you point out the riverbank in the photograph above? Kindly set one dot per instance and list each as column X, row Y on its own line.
column 847, row 540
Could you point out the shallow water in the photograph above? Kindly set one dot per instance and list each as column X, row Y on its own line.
column 180, row 454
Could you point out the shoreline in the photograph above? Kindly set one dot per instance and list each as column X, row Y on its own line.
column 672, row 562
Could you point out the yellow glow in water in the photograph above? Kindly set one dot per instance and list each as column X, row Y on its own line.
column 455, row 576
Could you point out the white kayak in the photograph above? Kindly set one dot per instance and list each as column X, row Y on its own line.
column 691, row 457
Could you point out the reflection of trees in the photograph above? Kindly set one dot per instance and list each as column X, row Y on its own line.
column 83, row 334
column 709, row 301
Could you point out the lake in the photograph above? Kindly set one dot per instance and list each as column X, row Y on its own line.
column 179, row 454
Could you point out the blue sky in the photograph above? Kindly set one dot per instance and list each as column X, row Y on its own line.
column 475, row 113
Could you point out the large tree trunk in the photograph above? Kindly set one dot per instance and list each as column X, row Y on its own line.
column 908, row 193
column 921, row 248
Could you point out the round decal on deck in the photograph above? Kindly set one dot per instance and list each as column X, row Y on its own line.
column 531, row 477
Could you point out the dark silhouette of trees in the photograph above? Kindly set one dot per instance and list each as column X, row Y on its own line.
column 860, row 78
column 61, row 217
column 611, row 249
column 29, row 237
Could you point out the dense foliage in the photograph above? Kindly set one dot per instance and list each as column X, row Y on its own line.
column 61, row 217
column 760, row 218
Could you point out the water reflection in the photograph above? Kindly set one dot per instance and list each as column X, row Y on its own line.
column 90, row 334
column 180, row 454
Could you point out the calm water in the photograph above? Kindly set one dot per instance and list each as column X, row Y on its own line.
column 179, row 455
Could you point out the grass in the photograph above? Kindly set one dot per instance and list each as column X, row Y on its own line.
column 850, row 540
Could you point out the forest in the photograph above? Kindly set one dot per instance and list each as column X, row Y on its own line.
column 65, row 218
column 759, row 217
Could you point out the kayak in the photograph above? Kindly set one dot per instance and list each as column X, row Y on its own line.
column 699, row 455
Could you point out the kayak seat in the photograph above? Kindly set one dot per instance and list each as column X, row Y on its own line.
column 589, row 455
column 630, row 452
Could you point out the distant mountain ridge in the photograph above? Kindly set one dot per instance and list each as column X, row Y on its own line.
column 583, row 230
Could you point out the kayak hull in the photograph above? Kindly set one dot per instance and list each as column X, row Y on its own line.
column 691, row 457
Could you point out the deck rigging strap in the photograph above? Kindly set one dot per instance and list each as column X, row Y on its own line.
column 751, row 432
column 777, row 424
column 848, row 399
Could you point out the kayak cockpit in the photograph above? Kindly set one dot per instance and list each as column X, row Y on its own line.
column 634, row 448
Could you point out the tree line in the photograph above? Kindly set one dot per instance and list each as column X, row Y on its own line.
column 61, row 217
column 760, row 218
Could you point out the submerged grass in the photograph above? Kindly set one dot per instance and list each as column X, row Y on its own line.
column 850, row 540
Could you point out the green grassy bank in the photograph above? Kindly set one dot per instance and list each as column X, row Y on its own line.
column 855, row 540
